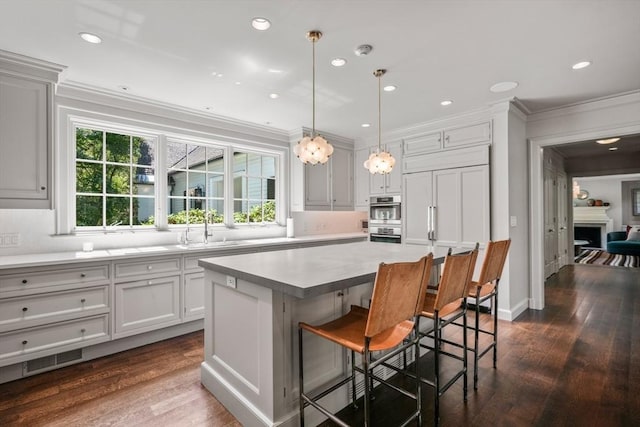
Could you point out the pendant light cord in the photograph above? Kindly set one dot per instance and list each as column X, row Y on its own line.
column 313, row 92
column 379, row 113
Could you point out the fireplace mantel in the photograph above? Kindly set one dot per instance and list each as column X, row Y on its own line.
column 593, row 216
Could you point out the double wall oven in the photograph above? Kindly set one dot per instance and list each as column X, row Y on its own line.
column 385, row 219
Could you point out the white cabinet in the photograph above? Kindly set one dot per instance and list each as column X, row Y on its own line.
column 330, row 186
column 361, row 178
column 193, row 296
column 144, row 305
column 451, row 137
column 389, row 183
column 26, row 119
column 447, row 207
column 424, row 143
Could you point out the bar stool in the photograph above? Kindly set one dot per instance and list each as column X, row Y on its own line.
column 398, row 294
column 444, row 307
column 486, row 288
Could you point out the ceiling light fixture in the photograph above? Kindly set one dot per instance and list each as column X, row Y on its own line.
column 313, row 148
column 503, row 87
column 389, row 88
column 91, row 38
column 581, row 65
column 363, row 50
column 274, row 95
column 365, row 125
column 260, row 24
column 380, row 162
column 338, row 62
column 446, row 102
column 607, row 141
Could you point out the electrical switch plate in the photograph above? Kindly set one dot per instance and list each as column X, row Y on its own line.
column 231, row 282
column 514, row 221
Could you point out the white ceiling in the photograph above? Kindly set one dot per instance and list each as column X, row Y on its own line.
column 166, row 50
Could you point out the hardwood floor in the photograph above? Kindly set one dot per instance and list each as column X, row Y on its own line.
column 575, row 363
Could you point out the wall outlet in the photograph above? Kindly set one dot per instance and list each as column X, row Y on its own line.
column 9, row 240
column 231, row 282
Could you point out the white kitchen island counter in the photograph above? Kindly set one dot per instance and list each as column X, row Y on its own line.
column 253, row 304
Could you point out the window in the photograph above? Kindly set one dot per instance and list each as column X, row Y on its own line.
column 195, row 180
column 115, row 182
column 254, row 188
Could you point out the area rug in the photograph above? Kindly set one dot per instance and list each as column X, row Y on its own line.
column 598, row 257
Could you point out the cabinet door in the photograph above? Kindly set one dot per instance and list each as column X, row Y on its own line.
column 394, row 179
column 342, row 179
column 416, row 199
column 425, row 143
column 24, row 171
column 446, row 207
column 145, row 305
column 316, row 182
column 361, row 178
column 479, row 133
column 193, row 296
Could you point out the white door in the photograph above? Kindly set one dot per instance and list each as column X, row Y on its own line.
column 550, row 212
column 563, row 230
column 416, row 199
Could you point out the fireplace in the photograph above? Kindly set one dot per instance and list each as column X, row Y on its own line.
column 591, row 223
column 590, row 234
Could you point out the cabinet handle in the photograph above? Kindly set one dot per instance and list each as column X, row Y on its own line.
column 83, row 300
column 149, row 267
column 43, row 188
column 24, row 281
column 446, row 138
column 150, row 282
column 83, row 330
column 83, row 275
column 24, row 309
column 24, row 342
column 340, row 293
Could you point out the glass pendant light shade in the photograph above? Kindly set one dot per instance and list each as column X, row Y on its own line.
column 313, row 149
column 381, row 162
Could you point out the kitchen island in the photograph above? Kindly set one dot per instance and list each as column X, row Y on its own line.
column 253, row 304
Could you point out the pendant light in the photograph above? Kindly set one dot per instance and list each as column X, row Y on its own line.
column 380, row 162
column 313, row 149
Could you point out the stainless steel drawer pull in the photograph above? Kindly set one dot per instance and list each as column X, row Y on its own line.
column 83, row 330
column 83, row 300
column 24, row 309
column 149, row 267
column 24, row 280
column 24, row 342
column 83, row 275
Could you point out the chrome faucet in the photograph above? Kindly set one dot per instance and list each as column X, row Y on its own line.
column 205, row 239
column 185, row 240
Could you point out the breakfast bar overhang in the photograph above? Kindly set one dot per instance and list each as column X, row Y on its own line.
column 253, row 305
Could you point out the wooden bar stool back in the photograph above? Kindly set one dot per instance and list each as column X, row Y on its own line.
column 444, row 308
column 486, row 288
column 398, row 295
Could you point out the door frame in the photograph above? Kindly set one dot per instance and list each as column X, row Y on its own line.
column 536, row 194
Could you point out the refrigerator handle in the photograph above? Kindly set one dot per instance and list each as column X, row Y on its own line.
column 433, row 223
column 429, row 222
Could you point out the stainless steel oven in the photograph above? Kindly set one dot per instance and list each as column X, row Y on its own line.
column 385, row 234
column 385, row 219
column 384, row 210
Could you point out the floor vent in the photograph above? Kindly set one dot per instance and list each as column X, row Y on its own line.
column 49, row 362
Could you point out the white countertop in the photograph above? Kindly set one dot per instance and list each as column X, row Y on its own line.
column 308, row 272
column 53, row 258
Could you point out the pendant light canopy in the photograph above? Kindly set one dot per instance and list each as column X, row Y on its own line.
column 380, row 162
column 313, row 149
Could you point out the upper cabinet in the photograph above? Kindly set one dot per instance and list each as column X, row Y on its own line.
column 390, row 183
column 330, row 186
column 26, row 131
column 452, row 137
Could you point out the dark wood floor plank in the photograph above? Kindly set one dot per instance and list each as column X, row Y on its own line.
column 577, row 362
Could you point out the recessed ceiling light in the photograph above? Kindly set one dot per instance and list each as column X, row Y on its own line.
column 260, row 24
column 503, row 87
column 274, row 95
column 365, row 125
column 607, row 141
column 238, row 83
column 91, row 38
column 219, row 75
column 214, row 74
column 613, row 148
column 274, row 70
column 446, row 102
column 581, row 65
column 338, row 62
column 389, row 88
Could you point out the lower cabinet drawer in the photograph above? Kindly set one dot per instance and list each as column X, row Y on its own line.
column 29, row 343
column 85, row 274
column 147, row 267
column 146, row 304
column 18, row 313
